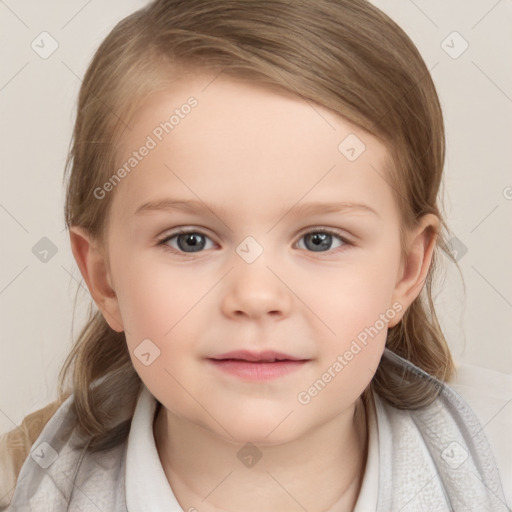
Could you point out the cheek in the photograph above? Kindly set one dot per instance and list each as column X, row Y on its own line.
column 350, row 354
column 153, row 297
column 163, row 310
column 355, row 308
column 350, row 298
column 159, row 307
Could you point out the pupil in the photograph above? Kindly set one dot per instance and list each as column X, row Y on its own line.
column 320, row 240
column 191, row 241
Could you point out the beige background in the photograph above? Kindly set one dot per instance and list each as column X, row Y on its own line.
column 37, row 102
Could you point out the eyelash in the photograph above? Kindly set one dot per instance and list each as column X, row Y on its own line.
column 183, row 231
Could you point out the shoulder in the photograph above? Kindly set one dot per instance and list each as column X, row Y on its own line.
column 53, row 459
column 452, row 438
column 15, row 447
column 489, row 394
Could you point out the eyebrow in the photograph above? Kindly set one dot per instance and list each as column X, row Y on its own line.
column 191, row 205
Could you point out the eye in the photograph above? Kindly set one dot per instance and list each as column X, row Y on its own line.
column 185, row 240
column 320, row 240
column 189, row 241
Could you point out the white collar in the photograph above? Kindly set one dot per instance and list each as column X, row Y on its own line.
column 147, row 487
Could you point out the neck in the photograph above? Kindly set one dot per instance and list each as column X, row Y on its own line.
column 322, row 470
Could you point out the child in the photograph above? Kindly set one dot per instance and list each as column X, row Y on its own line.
column 291, row 358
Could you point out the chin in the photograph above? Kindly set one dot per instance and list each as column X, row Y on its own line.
column 268, row 431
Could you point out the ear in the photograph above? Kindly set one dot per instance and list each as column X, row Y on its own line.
column 92, row 261
column 420, row 244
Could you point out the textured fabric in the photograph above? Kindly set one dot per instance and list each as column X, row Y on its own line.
column 15, row 445
column 435, row 458
column 432, row 459
column 489, row 394
column 57, row 476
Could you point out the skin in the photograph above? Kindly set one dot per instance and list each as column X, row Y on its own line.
column 259, row 154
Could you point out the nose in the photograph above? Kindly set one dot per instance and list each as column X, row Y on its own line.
column 255, row 290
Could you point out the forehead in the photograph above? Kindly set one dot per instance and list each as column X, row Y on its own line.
column 213, row 135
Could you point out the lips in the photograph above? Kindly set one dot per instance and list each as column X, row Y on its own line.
column 257, row 366
column 267, row 356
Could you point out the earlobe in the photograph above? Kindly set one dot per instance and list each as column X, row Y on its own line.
column 421, row 243
column 93, row 265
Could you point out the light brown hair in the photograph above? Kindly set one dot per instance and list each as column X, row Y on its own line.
column 345, row 55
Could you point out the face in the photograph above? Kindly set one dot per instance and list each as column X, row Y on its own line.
column 292, row 245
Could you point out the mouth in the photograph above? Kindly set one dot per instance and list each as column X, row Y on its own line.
column 268, row 356
column 260, row 366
